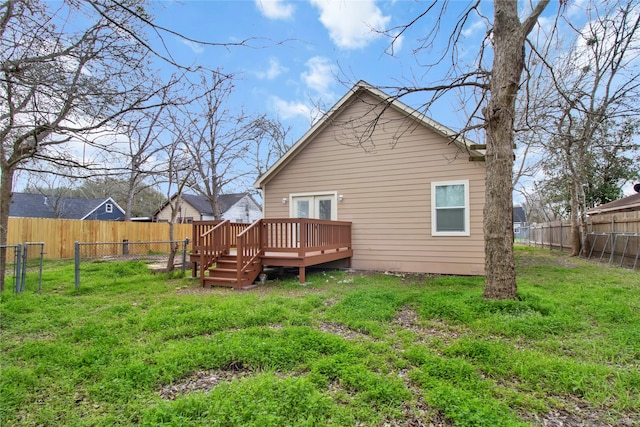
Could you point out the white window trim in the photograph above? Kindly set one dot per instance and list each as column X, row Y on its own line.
column 467, row 221
column 109, row 208
column 334, row 204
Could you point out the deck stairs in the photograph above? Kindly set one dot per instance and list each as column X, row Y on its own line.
column 225, row 273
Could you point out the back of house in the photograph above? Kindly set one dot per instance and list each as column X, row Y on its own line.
column 413, row 196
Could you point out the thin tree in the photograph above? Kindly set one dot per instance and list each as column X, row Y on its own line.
column 221, row 141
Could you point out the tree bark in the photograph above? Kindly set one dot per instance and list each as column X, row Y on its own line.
column 6, row 185
column 508, row 63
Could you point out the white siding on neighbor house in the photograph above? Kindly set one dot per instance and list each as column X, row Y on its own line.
column 387, row 191
column 244, row 210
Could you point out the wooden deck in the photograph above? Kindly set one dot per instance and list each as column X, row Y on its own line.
column 240, row 251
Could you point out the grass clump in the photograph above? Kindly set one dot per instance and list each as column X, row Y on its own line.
column 134, row 348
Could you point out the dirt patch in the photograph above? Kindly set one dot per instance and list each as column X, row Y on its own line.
column 204, row 381
column 581, row 415
column 407, row 318
column 342, row 330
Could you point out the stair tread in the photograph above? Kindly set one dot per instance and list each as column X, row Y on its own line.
column 220, row 279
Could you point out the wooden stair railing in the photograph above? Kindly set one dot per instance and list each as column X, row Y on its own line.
column 214, row 243
column 249, row 254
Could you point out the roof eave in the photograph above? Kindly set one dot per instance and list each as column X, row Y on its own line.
column 457, row 139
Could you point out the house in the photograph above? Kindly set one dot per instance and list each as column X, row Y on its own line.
column 519, row 221
column 27, row 205
column 239, row 207
column 405, row 182
column 626, row 204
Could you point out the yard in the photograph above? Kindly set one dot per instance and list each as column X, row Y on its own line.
column 135, row 348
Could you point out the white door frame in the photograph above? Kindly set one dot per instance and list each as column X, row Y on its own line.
column 314, row 199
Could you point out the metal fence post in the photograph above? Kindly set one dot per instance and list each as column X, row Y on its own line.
column 184, row 254
column 77, row 264
column 17, row 269
column 23, row 272
column 41, row 263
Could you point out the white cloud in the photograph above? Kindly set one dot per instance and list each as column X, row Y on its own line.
column 478, row 26
column 275, row 69
column 396, row 45
column 320, row 75
column 351, row 24
column 275, row 9
column 195, row 47
column 577, row 8
column 291, row 109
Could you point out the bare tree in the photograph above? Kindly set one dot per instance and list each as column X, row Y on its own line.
column 595, row 84
column 68, row 72
column 179, row 167
column 59, row 86
column 221, row 142
column 494, row 89
column 270, row 144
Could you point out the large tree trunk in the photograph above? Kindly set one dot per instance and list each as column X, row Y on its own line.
column 508, row 63
column 576, row 240
column 6, row 184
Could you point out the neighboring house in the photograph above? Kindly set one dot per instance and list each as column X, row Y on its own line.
column 27, row 205
column 240, row 207
column 626, row 204
column 405, row 182
column 519, row 222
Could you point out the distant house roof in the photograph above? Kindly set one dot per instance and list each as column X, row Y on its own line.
column 202, row 204
column 519, row 215
column 629, row 203
column 27, row 205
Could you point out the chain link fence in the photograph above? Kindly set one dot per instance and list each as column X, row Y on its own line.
column 621, row 249
column 23, row 266
column 156, row 253
column 614, row 248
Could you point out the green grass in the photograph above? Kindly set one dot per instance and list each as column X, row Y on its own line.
column 134, row 348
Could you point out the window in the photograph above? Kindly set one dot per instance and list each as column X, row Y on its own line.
column 109, row 208
column 450, row 208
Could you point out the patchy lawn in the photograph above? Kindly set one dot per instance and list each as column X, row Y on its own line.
column 134, row 348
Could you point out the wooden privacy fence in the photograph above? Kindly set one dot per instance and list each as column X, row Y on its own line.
column 612, row 237
column 60, row 235
column 557, row 234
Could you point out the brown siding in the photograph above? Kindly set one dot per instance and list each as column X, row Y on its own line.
column 387, row 192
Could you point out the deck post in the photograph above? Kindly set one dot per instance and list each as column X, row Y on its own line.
column 302, row 272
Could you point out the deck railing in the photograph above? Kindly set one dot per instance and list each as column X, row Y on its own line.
column 249, row 252
column 305, row 235
column 213, row 244
column 300, row 236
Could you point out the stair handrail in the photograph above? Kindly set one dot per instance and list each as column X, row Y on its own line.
column 249, row 241
column 213, row 246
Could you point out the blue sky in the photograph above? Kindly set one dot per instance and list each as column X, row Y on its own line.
column 306, row 54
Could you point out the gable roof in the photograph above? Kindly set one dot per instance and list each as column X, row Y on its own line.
column 346, row 100
column 519, row 214
column 629, row 203
column 202, row 205
column 27, row 205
